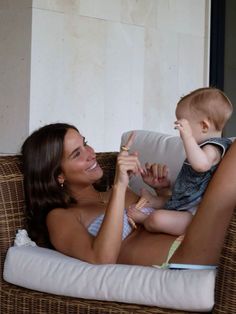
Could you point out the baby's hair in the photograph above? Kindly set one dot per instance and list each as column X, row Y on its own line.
column 211, row 102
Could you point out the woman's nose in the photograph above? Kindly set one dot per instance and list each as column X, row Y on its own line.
column 91, row 153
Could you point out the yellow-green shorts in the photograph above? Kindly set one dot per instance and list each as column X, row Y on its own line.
column 173, row 248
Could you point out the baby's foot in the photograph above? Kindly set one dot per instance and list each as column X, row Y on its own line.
column 141, row 203
column 151, row 200
column 136, row 215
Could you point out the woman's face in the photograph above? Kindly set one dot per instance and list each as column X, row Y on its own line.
column 79, row 165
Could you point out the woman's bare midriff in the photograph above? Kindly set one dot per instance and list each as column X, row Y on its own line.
column 145, row 248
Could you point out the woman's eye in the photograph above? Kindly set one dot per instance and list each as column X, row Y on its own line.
column 77, row 154
column 85, row 143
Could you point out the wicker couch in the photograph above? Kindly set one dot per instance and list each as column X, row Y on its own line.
column 14, row 299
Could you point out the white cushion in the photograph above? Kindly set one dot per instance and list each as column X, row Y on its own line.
column 156, row 147
column 49, row 271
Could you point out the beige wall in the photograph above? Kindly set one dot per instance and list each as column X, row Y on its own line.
column 15, row 47
column 108, row 66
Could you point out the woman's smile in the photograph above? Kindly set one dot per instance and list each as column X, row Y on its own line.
column 94, row 166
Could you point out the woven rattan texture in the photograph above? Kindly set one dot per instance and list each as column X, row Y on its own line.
column 12, row 214
column 18, row 300
column 225, row 294
column 107, row 161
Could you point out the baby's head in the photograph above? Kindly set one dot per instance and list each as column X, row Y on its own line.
column 209, row 106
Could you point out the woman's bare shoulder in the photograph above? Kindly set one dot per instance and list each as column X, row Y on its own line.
column 59, row 213
column 62, row 218
column 65, row 231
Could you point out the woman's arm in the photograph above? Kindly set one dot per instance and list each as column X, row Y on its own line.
column 68, row 234
column 205, row 235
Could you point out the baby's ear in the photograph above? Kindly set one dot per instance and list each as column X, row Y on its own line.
column 205, row 125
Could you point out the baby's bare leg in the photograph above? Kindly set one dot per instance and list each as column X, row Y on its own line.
column 205, row 235
column 168, row 221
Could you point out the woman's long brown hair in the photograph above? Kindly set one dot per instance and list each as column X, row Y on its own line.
column 42, row 154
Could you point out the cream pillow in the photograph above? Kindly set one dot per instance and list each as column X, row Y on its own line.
column 156, row 147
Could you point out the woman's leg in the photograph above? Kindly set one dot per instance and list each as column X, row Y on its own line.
column 205, row 235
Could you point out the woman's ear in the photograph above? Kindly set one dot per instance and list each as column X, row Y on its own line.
column 61, row 179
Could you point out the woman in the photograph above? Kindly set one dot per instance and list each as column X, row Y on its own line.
column 59, row 171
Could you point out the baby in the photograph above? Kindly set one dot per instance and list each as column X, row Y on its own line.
column 201, row 117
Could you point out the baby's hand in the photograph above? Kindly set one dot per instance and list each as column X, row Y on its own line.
column 156, row 175
column 184, row 128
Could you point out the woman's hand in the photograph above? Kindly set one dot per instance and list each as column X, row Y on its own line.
column 127, row 164
column 156, row 175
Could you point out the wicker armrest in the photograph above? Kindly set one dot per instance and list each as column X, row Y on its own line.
column 225, row 290
column 107, row 161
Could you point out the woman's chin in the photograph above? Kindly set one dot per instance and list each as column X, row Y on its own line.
column 96, row 173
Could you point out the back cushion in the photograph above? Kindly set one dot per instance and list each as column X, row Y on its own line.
column 154, row 147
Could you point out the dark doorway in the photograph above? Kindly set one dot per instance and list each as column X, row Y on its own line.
column 223, row 53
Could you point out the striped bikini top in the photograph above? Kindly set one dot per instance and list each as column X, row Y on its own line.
column 95, row 225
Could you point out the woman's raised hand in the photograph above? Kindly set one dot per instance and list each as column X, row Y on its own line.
column 156, row 175
column 127, row 163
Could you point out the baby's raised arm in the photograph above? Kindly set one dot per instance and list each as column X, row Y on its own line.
column 200, row 158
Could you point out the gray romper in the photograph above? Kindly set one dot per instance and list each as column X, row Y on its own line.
column 190, row 185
